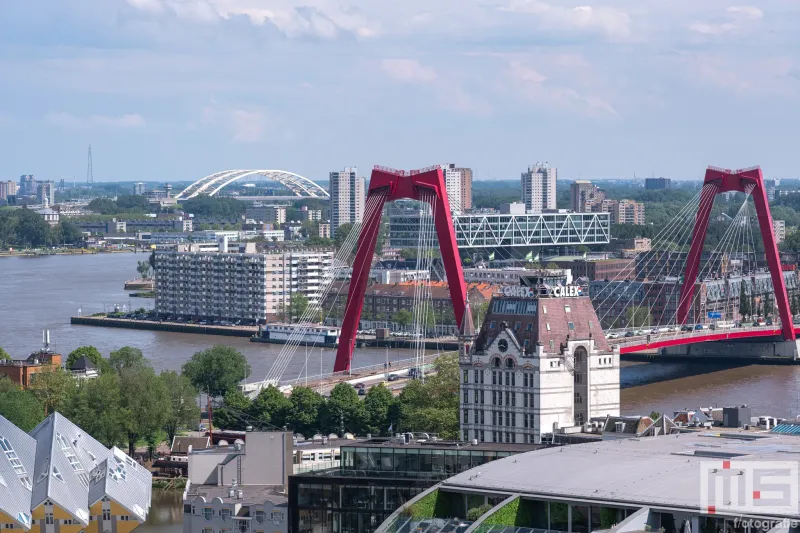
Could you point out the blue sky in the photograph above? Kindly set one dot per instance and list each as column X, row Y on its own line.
column 177, row 89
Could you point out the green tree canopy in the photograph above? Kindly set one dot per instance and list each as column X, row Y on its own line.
column 96, row 406
column 4, row 355
column 90, row 352
column 53, row 388
column 744, row 302
column 298, row 303
column 378, row 404
column 343, row 407
column 20, row 407
column 403, row 317
column 304, row 411
column 433, row 406
column 341, row 233
column 638, row 316
column 66, row 232
column 232, row 414
column 217, row 370
column 32, row 230
column 214, row 207
column 183, row 409
column 270, row 408
column 145, row 401
column 127, row 357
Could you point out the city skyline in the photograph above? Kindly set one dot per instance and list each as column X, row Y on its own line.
column 174, row 90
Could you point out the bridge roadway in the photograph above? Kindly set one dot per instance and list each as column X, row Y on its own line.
column 652, row 341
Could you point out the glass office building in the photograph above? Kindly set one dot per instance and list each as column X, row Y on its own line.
column 378, row 476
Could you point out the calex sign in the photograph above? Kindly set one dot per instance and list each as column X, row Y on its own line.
column 567, row 291
column 518, row 291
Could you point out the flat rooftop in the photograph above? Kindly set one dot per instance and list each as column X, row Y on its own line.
column 650, row 471
column 446, row 445
column 251, row 494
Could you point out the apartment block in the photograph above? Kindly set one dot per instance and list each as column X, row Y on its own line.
column 273, row 213
column 7, row 188
column 348, row 193
column 585, row 196
column 779, row 228
column 625, row 211
column 657, row 184
column 539, row 188
column 248, row 286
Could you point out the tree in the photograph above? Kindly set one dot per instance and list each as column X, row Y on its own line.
column 95, row 406
column 217, row 370
column 143, row 268
column 433, row 406
column 232, row 414
column 408, row 253
column 152, row 260
column 146, row 403
column 298, row 304
column 32, row 230
column 270, row 408
column 103, row 206
column 52, row 388
column 403, row 317
column 184, row 411
column 378, row 404
column 638, row 316
column 341, row 234
column 744, row 302
column 20, row 407
column 343, row 407
column 65, row 232
column 4, row 356
column 479, row 313
column 126, row 357
column 303, row 415
column 90, row 352
column 655, row 415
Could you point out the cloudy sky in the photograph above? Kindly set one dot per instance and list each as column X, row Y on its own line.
column 176, row 89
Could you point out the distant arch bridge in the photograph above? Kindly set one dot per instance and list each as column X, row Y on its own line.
column 211, row 185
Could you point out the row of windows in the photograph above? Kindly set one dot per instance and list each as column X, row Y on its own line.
column 225, row 515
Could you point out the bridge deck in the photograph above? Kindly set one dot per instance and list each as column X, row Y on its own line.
column 664, row 340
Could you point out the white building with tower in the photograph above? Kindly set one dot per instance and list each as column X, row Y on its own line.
column 348, row 192
column 539, row 365
column 539, row 187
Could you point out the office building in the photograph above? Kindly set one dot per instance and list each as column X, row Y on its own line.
column 540, row 363
column 239, row 486
column 657, row 184
column 274, row 214
column 27, row 185
column 347, row 197
column 601, row 269
column 779, row 228
column 585, row 197
column 771, row 187
column 625, row 211
column 7, row 188
column 46, row 193
column 310, row 214
column 324, row 230
column 139, row 188
column 518, row 275
column 683, row 483
column 379, row 475
column 247, row 286
column 57, row 478
column 539, row 188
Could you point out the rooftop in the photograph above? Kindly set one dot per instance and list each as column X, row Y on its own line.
column 446, row 445
column 251, row 494
column 656, row 471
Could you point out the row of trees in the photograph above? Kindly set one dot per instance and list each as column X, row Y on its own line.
column 128, row 404
column 125, row 203
column 431, row 406
column 27, row 229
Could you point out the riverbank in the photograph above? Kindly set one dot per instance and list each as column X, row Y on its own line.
column 65, row 251
column 102, row 321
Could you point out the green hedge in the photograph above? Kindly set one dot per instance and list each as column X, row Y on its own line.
column 434, row 505
column 514, row 513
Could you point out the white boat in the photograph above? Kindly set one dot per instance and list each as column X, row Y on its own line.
column 324, row 336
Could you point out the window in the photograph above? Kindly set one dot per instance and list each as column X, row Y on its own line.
column 552, row 344
column 208, row 512
column 578, row 398
column 578, row 379
column 529, row 327
column 567, row 309
column 492, row 325
column 466, row 376
column 494, row 377
column 496, row 362
column 544, row 309
column 466, row 396
column 106, row 514
column 259, row 517
column 225, row 514
column 547, row 324
column 208, row 530
column 571, row 325
column 277, row 515
column 124, row 518
column 57, row 474
column 48, row 518
column 517, row 325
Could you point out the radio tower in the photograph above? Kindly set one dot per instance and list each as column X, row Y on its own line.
column 89, row 175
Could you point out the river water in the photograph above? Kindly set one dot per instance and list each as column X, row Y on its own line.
column 42, row 293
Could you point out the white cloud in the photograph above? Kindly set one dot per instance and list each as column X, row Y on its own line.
column 737, row 17
column 534, row 87
column 70, row 121
column 612, row 22
column 245, row 126
column 408, row 71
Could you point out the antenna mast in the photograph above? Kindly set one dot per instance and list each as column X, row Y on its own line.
column 89, row 175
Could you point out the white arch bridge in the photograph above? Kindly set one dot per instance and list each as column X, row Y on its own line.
column 211, row 185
